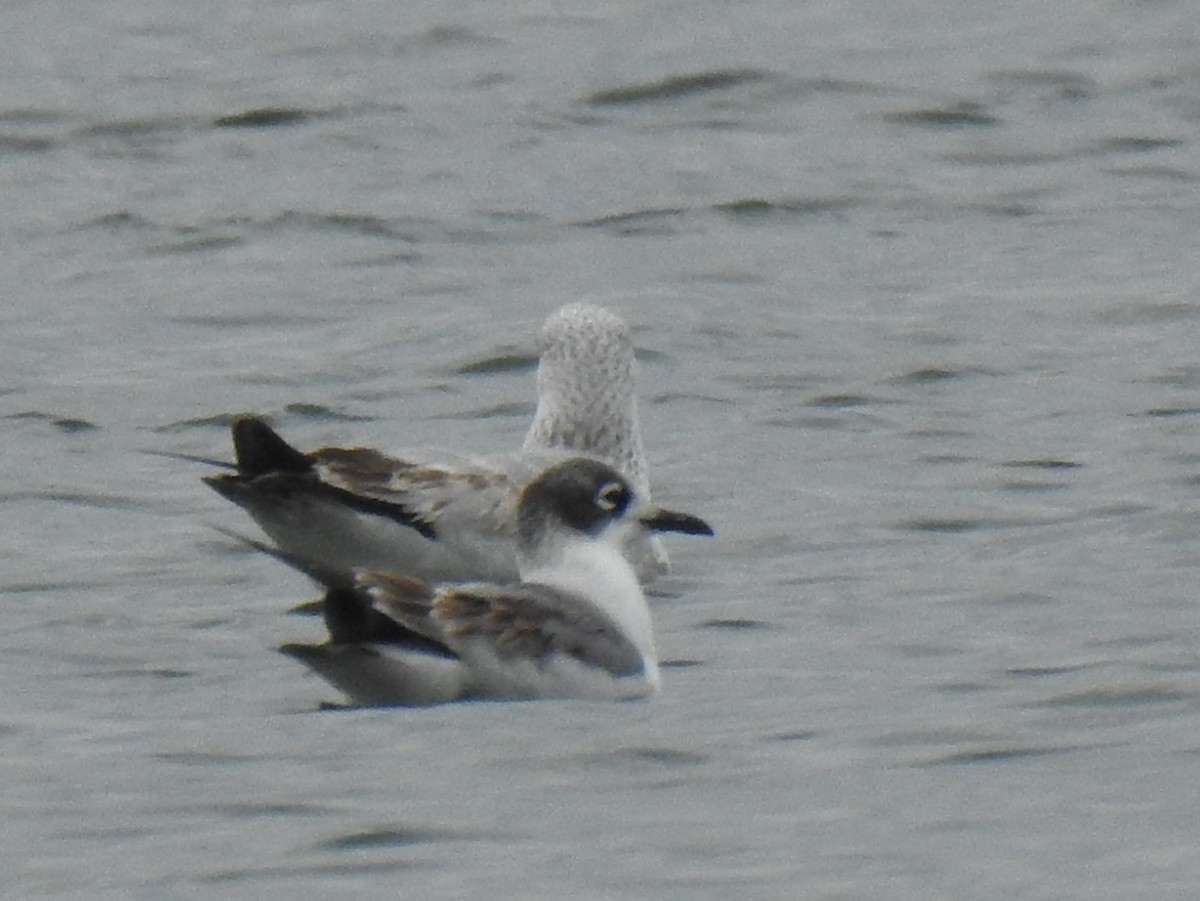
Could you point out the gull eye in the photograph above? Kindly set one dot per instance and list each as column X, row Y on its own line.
column 612, row 496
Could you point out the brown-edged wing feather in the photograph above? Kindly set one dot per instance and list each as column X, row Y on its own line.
column 428, row 491
column 527, row 621
column 406, row 601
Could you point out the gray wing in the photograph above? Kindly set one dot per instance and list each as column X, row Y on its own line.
column 421, row 491
column 464, row 505
column 270, row 471
column 526, row 621
column 473, row 494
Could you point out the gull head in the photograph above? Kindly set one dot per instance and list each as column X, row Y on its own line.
column 582, row 498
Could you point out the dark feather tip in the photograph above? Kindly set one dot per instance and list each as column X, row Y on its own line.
column 259, row 449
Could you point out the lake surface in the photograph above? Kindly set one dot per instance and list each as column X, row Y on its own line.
column 916, row 293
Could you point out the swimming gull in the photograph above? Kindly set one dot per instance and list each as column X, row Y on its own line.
column 440, row 515
column 576, row 625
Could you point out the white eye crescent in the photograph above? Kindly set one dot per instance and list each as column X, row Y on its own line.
column 610, row 496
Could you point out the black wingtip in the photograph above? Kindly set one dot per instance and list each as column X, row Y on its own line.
column 259, row 449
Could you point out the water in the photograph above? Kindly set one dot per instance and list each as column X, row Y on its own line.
column 915, row 291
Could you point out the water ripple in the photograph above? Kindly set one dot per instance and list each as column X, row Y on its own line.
column 513, row 361
column 758, row 207
column 344, row 870
column 1169, row 412
column 96, row 500
column 265, row 117
column 322, row 413
column 932, row 375
column 389, row 837
column 1057, row 84
column 1046, row 463
column 953, row 525
column 966, row 114
column 69, row 424
column 675, row 87
column 735, row 624
column 217, row 420
column 662, row 221
column 997, row 755
column 14, row 144
column 1137, row 144
column 1119, row 697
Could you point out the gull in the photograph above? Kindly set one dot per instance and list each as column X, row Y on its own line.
column 445, row 516
column 576, row 625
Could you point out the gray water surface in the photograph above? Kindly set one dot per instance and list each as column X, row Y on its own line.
column 915, row 288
